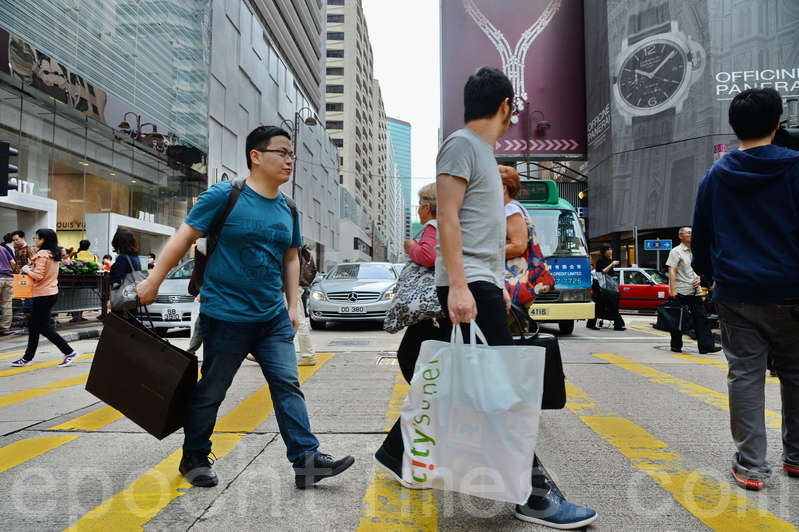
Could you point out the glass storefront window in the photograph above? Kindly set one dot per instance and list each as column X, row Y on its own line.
column 89, row 170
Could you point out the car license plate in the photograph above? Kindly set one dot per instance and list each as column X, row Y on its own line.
column 171, row 314
column 352, row 310
column 538, row 311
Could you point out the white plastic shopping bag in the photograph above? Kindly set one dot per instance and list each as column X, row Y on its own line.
column 470, row 421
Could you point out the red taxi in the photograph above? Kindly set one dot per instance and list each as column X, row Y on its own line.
column 641, row 288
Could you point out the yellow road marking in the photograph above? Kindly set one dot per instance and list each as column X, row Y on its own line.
column 21, row 451
column 646, row 328
column 387, row 506
column 48, row 364
column 716, row 363
column 91, row 421
column 145, row 497
column 709, row 396
column 710, row 501
column 398, row 394
column 24, row 395
column 12, row 355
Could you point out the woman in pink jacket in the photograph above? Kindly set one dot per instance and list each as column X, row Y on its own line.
column 43, row 271
column 423, row 251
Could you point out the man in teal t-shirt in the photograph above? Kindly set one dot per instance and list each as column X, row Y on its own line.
column 242, row 308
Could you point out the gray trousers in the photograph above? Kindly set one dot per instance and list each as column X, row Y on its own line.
column 748, row 332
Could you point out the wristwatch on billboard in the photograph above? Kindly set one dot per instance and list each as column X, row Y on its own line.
column 654, row 70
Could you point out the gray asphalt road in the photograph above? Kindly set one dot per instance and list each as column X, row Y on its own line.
column 644, row 440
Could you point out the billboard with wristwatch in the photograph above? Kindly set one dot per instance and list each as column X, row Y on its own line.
column 666, row 72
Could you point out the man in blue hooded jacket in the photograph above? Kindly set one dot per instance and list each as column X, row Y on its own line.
column 746, row 238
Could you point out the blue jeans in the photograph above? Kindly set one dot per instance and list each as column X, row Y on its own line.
column 226, row 344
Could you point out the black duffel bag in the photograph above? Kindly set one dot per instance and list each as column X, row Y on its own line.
column 674, row 317
column 554, row 380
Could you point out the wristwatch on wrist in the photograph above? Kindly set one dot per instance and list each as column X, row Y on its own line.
column 655, row 68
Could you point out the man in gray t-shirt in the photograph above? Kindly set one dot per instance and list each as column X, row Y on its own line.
column 471, row 253
column 482, row 216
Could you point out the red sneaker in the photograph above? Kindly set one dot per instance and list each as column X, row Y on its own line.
column 792, row 471
column 747, row 483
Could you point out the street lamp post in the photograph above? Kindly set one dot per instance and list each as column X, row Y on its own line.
column 295, row 131
column 155, row 136
column 543, row 125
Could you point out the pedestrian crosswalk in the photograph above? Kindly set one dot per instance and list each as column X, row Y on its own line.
column 638, row 437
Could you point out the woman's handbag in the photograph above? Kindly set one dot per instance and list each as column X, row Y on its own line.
column 415, row 298
column 142, row 375
column 470, row 421
column 23, row 286
column 123, row 295
column 528, row 275
column 554, row 379
column 608, row 285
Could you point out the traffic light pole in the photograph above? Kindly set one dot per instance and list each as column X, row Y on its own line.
column 6, row 168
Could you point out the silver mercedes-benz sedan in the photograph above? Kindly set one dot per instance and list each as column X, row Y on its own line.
column 353, row 291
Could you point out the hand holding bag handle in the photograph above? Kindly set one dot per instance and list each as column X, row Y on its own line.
column 474, row 333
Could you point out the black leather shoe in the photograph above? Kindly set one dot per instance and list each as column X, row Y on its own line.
column 714, row 349
column 676, row 350
column 196, row 468
column 319, row 467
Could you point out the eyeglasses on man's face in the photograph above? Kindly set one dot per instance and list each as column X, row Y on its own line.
column 283, row 153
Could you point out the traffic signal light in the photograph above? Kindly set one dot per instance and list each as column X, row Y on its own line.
column 6, row 169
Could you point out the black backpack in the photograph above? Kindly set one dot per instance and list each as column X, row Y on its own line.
column 307, row 267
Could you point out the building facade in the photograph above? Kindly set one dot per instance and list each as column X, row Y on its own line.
column 107, row 104
column 354, row 112
column 395, row 207
column 266, row 68
column 110, row 111
column 400, row 133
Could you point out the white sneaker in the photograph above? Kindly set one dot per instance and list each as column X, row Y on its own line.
column 68, row 359
column 21, row 362
column 307, row 361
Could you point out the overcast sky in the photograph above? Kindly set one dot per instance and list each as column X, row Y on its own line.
column 405, row 42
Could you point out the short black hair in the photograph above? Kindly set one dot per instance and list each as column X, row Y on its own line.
column 603, row 248
column 151, row 255
column 260, row 137
column 18, row 233
column 84, row 245
column 755, row 113
column 107, row 256
column 7, row 238
column 484, row 92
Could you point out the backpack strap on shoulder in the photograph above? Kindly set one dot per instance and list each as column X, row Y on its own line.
column 292, row 205
column 236, row 186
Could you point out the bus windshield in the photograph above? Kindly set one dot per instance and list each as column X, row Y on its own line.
column 559, row 232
